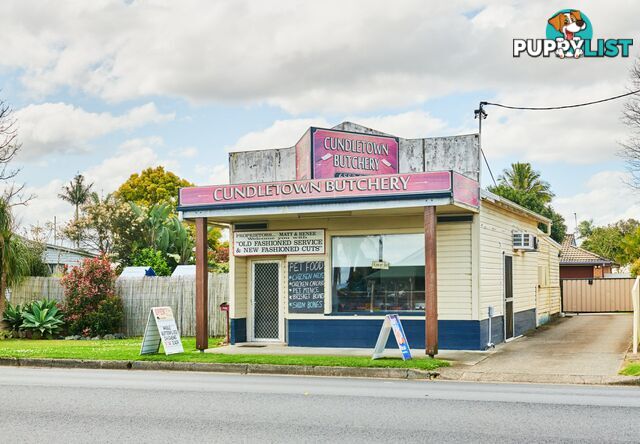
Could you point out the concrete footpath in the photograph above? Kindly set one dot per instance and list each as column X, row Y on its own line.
column 583, row 349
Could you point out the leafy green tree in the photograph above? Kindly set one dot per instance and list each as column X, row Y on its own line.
column 152, row 186
column 76, row 193
column 523, row 177
column 585, row 228
column 14, row 265
column 148, row 257
column 534, row 202
column 107, row 225
column 619, row 241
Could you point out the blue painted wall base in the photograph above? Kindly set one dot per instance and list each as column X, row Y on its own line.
column 238, row 331
column 363, row 333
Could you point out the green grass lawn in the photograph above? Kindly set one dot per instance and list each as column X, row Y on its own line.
column 632, row 369
column 129, row 350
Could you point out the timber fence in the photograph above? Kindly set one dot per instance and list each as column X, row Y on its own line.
column 140, row 294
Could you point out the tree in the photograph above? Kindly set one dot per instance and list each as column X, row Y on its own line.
column 107, row 225
column 619, row 241
column 76, row 193
column 152, row 186
column 524, row 186
column 524, row 178
column 13, row 263
column 9, row 145
column 631, row 117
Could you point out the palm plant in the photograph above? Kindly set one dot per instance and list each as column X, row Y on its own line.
column 76, row 193
column 14, row 264
column 522, row 177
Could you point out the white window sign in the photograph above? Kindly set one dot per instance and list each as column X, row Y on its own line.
column 262, row 243
column 161, row 327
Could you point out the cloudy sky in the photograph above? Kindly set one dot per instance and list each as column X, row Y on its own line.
column 108, row 87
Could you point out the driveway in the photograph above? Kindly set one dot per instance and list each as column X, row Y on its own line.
column 584, row 348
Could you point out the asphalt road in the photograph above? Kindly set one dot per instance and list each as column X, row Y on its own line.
column 89, row 406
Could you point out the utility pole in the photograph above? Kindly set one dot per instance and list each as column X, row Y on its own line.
column 481, row 114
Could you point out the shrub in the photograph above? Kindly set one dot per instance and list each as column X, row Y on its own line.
column 89, row 292
column 148, row 257
column 42, row 318
column 635, row 268
column 13, row 316
column 108, row 317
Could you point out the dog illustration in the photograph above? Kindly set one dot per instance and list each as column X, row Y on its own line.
column 568, row 23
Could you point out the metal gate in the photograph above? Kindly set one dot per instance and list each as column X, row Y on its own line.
column 597, row 295
column 266, row 301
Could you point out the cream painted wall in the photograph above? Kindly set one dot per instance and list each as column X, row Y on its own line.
column 548, row 300
column 454, row 261
column 496, row 227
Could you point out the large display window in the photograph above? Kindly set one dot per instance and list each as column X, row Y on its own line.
column 378, row 273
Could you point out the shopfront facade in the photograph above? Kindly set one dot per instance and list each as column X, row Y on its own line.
column 351, row 224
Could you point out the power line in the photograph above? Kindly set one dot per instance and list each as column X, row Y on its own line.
column 549, row 108
column 480, row 114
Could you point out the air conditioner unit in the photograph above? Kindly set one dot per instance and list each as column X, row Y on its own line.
column 524, row 241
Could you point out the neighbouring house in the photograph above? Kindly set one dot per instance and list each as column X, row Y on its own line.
column 57, row 257
column 351, row 224
column 578, row 263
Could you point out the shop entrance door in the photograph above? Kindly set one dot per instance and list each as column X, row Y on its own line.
column 508, row 297
column 266, row 301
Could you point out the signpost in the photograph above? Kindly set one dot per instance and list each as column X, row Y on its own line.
column 392, row 322
column 161, row 328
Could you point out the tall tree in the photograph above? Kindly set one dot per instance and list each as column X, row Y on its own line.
column 524, row 178
column 631, row 117
column 76, row 193
column 524, row 186
column 13, row 262
column 619, row 241
column 152, row 186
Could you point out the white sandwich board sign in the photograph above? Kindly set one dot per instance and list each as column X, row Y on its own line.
column 161, row 328
column 392, row 322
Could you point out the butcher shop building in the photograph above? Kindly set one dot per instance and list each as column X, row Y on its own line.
column 351, row 224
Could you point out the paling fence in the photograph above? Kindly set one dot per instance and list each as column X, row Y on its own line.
column 597, row 295
column 140, row 294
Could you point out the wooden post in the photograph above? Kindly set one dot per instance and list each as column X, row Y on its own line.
column 202, row 286
column 430, row 282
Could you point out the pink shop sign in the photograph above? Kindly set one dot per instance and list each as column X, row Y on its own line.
column 345, row 154
column 321, row 190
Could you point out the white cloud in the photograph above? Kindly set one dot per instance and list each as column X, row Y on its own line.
column 213, row 175
column 281, row 134
column 606, row 199
column 132, row 156
column 330, row 56
column 188, row 152
column 285, row 133
column 63, row 128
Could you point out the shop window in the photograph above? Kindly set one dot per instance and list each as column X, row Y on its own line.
column 377, row 274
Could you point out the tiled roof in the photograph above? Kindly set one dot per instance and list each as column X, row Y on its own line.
column 572, row 254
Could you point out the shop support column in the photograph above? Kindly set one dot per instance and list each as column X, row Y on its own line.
column 430, row 281
column 202, row 286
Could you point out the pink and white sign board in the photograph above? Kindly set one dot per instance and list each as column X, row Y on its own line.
column 345, row 154
column 337, row 188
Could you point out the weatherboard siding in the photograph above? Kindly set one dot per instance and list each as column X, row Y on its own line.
column 496, row 228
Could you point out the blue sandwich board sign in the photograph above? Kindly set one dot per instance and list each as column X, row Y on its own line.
column 392, row 322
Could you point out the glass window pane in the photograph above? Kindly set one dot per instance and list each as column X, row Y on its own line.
column 403, row 249
column 358, row 287
column 355, row 251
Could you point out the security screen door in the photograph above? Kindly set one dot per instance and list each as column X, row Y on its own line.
column 266, row 297
column 508, row 297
